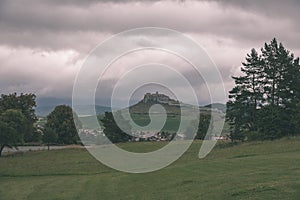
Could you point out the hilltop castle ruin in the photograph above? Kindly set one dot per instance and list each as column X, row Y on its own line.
column 159, row 98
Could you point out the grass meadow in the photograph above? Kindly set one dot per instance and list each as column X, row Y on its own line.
column 254, row 170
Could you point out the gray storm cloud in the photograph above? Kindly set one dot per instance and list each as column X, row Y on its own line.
column 34, row 23
column 43, row 43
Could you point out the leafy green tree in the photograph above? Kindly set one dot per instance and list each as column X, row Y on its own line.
column 49, row 136
column 12, row 123
column 198, row 129
column 37, row 135
column 26, row 104
column 203, row 127
column 191, row 130
column 61, row 121
column 112, row 131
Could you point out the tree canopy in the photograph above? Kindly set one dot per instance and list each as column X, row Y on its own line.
column 61, row 121
column 264, row 104
column 12, row 124
column 113, row 131
column 49, row 136
column 24, row 103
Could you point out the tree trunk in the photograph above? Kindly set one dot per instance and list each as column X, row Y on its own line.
column 1, row 149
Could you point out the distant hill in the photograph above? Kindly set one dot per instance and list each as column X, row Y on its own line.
column 47, row 105
column 176, row 111
column 219, row 106
column 43, row 111
column 143, row 108
column 171, row 106
column 87, row 109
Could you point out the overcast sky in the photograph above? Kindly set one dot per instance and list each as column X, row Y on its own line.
column 44, row 43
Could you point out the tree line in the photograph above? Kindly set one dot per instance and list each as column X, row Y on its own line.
column 265, row 102
column 18, row 123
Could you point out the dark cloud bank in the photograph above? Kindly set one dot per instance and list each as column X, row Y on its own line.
column 43, row 43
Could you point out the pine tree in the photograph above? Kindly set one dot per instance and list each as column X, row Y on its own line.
column 277, row 67
column 246, row 97
column 265, row 100
column 279, row 73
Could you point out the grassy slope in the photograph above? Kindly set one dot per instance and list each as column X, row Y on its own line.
column 260, row 170
column 140, row 115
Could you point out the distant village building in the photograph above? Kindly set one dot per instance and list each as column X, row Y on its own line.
column 153, row 136
column 219, row 138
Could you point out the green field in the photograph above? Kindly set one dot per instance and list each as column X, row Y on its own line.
column 171, row 125
column 256, row 170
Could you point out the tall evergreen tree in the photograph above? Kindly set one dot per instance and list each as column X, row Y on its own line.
column 277, row 67
column 279, row 72
column 265, row 99
column 293, row 98
column 246, row 97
